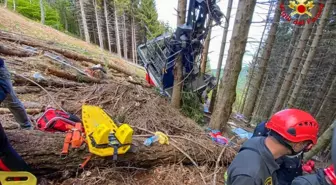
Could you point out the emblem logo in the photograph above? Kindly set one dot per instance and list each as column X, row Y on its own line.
column 302, row 8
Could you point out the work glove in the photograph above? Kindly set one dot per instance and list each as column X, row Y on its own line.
column 309, row 166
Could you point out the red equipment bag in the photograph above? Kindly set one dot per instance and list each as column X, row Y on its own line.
column 54, row 120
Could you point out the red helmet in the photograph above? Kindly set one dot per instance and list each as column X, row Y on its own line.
column 329, row 172
column 294, row 125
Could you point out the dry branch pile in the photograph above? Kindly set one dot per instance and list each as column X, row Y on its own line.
column 190, row 158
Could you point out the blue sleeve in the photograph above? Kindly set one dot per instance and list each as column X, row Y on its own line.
column 241, row 180
column 260, row 130
column 3, row 93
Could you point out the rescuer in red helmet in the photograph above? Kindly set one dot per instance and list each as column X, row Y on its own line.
column 292, row 131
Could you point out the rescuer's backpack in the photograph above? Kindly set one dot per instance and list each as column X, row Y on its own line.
column 54, row 120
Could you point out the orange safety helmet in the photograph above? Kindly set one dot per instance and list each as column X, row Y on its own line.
column 329, row 172
column 294, row 125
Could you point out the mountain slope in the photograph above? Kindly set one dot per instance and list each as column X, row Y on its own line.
column 14, row 22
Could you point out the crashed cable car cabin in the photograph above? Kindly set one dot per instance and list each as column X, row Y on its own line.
column 160, row 54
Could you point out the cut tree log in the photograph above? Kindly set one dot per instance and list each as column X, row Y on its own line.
column 64, row 52
column 48, row 82
column 14, row 52
column 42, row 152
column 72, row 77
column 29, row 111
column 26, row 89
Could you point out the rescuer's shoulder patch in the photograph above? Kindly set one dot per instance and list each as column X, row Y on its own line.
column 268, row 181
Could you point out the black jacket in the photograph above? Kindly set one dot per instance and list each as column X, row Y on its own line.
column 289, row 167
column 253, row 165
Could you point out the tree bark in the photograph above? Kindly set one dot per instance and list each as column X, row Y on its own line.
column 263, row 63
column 116, row 27
column 124, row 35
column 322, row 142
column 279, row 78
column 221, row 54
column 135, row 43
column 206, row 48
column 86, row 30
column 328, row 107
column 14, row 5
column 133, row 40
column 311, row 53
column 42, row 12
column 294, row 64
column 42, row 151
column 5, row 4
column 65, row 20
column 177, row 88
column 223, row 106
column 323, row 89
column 107, row 26
column 100, row 34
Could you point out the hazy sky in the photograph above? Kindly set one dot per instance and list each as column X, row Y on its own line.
column 167, row 13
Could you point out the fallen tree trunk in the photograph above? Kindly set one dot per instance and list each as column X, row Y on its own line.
column 14, row 52
column 64, row 52
column 72, row 77
column 26, row 89
column 42, row 152
column 29, row 111
column 48, row 82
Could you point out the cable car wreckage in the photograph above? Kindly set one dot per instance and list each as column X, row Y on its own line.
column 159, row 55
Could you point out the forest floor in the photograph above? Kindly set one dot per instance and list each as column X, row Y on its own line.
column 123, row 94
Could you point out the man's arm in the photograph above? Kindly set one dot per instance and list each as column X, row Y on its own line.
column 312, row 179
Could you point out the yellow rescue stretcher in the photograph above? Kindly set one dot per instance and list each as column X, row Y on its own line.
column 17, row 178
column 104, row 137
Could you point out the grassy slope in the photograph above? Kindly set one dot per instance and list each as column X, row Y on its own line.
column 14, row 22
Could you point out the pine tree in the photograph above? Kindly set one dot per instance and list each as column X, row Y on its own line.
column 85, row 26
column 42, row 12
column 221, row 54
column 311, row 53
column 294, row 65
column 263, row 63
column 227, row 92
column 177, row 87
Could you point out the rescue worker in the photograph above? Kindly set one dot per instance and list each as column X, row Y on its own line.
column 292, row 131
column 9, row 99
column 290, row 167
column 10, row 160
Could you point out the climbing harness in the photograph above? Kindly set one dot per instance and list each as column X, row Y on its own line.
column 74, row 137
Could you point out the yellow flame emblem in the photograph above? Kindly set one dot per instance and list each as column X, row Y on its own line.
column 301, row 7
